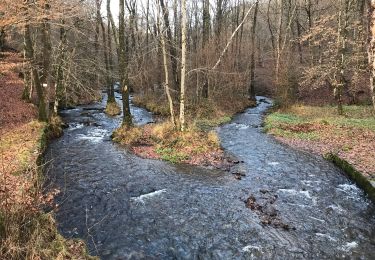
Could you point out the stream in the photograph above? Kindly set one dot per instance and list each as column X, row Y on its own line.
column 125, row 207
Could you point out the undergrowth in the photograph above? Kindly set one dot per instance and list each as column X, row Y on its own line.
column 112, row 109
column 199, row 144
column 167, row 143
column 26, row 232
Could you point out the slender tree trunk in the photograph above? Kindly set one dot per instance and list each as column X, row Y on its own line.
column 205, row 40
column 270, row 26
column 59, row 86
column 2, row 38
column 29, row 50
column 96, row 40
column 308, row 6
column 183, row 65
column 252, row 56
column 147, row 27
column 47, row 56
column 172, row 48
column 111, row 21
column 110, row 60
column 111, row 96
column 279, row 42
column 166, row 74
column 219, row 19
column 371, row 49
column 27, row 71
column 299, row 46
column 241, row 30
column 341, row 53
column 123, row 67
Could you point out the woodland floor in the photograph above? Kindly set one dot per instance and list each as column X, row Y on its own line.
column 320, row 130
column 26, row 232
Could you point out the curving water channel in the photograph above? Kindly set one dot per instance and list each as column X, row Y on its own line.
column 126, row 207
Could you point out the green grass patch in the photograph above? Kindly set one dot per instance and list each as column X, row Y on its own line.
column 171, row 155
column 355, row 116
column 208, row 124
column 311, row 136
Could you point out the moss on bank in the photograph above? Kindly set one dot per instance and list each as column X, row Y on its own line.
column 353, row 174
column 26, row 232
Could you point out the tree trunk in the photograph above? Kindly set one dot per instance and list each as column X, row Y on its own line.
column 279, row 43
column 29, row 51
column 27, row 72
column 2, row 39
column 110, row 59
column 111, row 96
column 123, row 67
column 96, row 40
column 47, row 55
column 183, row 65
column 371, row 49
column 111, row 21
column 172, row 48
column 251, row 89
column 60, row 72
column 219, row 20
column 299, row 46
column 270, row 26
column 341, row 53
column 205, row 39
column 166, row 84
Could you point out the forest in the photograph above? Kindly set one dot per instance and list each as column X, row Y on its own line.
column 201, row 108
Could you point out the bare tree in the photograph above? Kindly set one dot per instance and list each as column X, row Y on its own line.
column 123, row 67
column 183, row 65
column 371, row 49
column 252, row 57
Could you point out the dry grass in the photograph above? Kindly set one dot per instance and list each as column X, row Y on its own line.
column 112, row 109
column 163, row 141
column 212, row 109
column 321, row 130
column 26, row 232
column 156, row 104
column 198, row 145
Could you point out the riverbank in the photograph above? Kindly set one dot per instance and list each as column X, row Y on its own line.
column 198, row 145
column 350, row 138
column 26, row 231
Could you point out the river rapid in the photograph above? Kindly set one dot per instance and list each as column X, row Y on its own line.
column 290, row 205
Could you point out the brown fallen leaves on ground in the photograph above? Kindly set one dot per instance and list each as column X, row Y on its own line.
column 26, row 231
column 319, row 129
column 13, row 110
column 351, row 144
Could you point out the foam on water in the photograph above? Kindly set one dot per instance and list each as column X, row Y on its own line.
column 326, row 236
column 141, row 198
column 295, row 192
column 349, row 246
column 250, row 248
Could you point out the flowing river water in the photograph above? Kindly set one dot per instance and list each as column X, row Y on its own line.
column 127, row 207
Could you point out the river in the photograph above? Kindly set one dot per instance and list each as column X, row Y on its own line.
column 290, row 205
